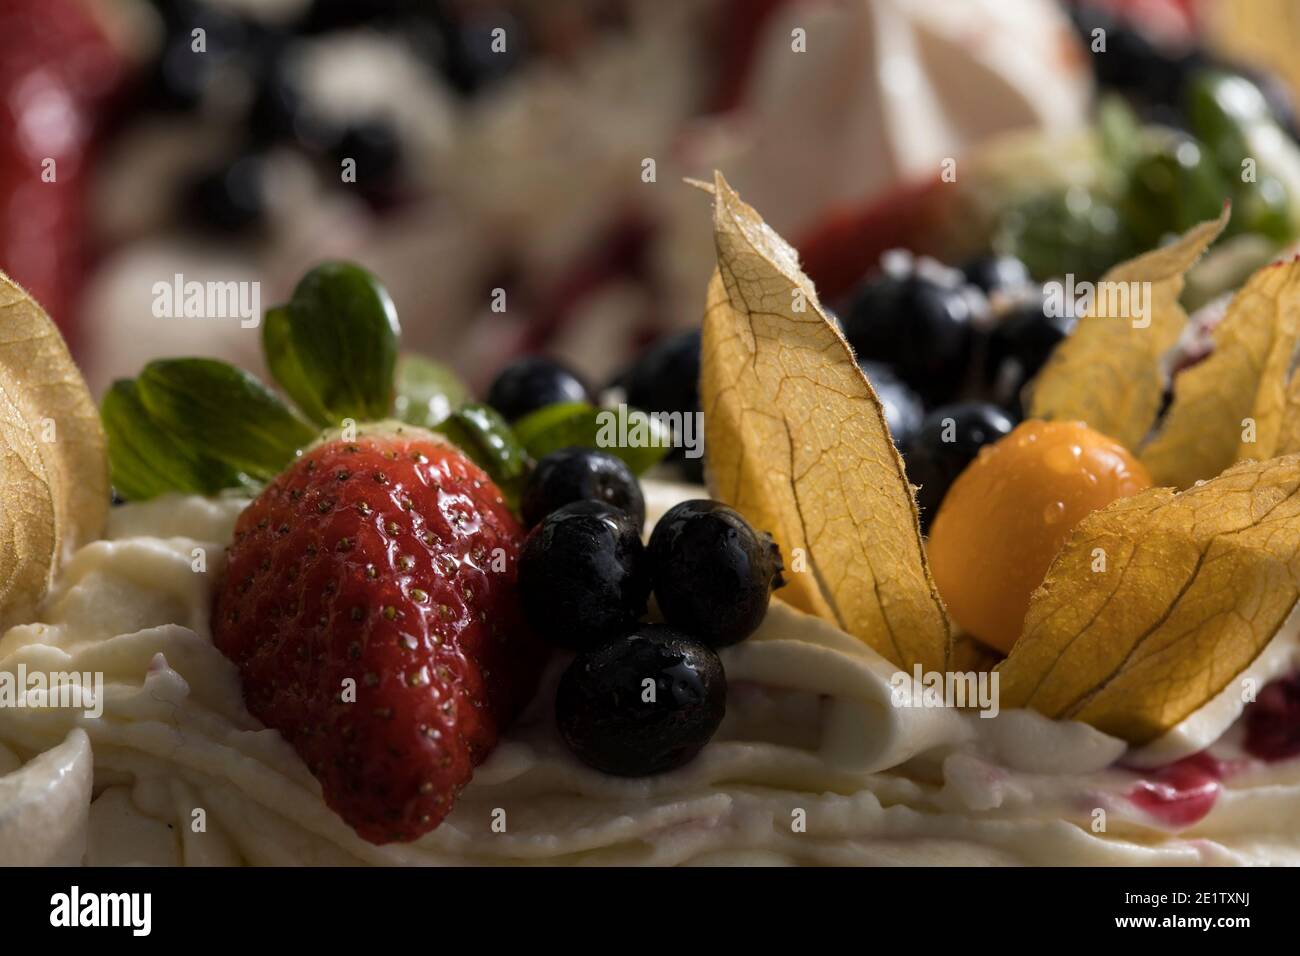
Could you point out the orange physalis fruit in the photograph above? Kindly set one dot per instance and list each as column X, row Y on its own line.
column 1009, row 513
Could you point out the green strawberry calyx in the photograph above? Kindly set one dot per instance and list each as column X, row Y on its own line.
column 202, row 426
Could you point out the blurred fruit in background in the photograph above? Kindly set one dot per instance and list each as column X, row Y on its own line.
column 512, row 168
column 500, row 151
column 1181, row 125
column 58, row 70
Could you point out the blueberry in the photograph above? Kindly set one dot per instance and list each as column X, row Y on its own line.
column 278, row 106
column 374, row 145
column 583, row 574
column 230, row 198
column 534, row 382
column 643, row 704
column 182, row 74
column 1019, row 347
column 666, row 376
column 1132, row 60
column 919, row 326
column 581, row 474
column 470, row 60
column 995, row 273
column 874, row 313
column 903, row 409
column 713, row 574
column 948, row 441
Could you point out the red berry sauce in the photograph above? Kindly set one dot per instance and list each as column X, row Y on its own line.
column 1181, row 793
column 1273, row 721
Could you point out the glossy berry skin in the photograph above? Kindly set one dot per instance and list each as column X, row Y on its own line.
column 948, row 440
column 1019, row 347
column 873, row 313
column 995, row 273
column 583, row 574
column 534, row 382
column 1008, row 514
column 713, row 574
column 902, row 406
column 581, row 474
column 919, row 327
column 370, row 605
column 603, row 713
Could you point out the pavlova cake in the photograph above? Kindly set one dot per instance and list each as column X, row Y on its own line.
column 364, row 619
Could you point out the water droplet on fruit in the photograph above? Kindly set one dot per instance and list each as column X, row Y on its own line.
column 1064, row 459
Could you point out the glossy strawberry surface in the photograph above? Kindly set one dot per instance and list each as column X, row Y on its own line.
column 370, row 604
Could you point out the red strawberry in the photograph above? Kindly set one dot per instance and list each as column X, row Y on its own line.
column 389, row 561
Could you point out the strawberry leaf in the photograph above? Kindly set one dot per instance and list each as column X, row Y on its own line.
column 146, row 460
column 569, row 424
column 333, row 347
column 222, row 412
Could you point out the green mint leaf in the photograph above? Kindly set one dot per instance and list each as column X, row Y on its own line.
column 147, row 461
column 225, row 412
column 639, row 439
column 333, row 347
column 282, row 360
column 482, row 434
column 427, row 391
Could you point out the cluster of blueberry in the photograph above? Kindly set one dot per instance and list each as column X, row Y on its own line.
column 230, row 196
column 638, row 698
column 949, row 352
column 663, row 378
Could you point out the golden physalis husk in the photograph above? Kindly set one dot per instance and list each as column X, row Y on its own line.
column 55, row 474
column 1157, row 602
column 1231, row 406
column 1110, row 371
column 1289, row 442
column 797, row 443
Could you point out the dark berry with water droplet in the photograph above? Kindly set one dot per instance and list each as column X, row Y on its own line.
column 643, row 704
column 918, row 326
column 534, row 382
column 948, row 441
column 713, row 574
column 581, row 474
column 1019, row 347
column 583, row 575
